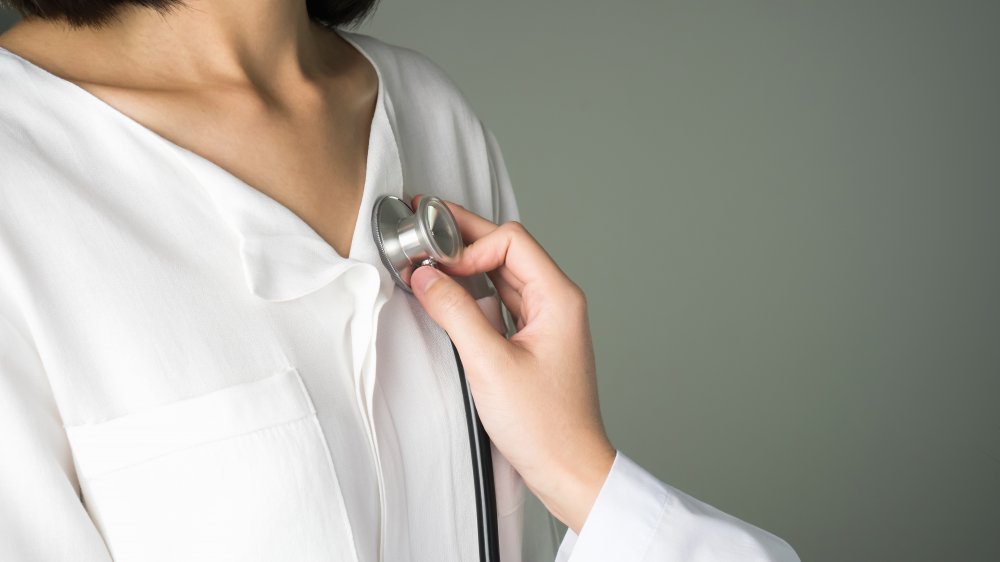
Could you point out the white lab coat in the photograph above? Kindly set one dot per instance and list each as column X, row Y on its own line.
column 189, row 372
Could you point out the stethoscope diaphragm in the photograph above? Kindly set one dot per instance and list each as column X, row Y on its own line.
column 408, row 239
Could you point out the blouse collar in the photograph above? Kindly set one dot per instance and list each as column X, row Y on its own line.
column 283, row 258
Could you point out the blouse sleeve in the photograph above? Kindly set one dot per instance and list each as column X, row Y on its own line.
column 41, row 514
column 637, row 518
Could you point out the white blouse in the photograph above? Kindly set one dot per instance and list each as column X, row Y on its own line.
column 189, row 372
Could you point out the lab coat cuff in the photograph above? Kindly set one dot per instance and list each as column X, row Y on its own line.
column 623, row 520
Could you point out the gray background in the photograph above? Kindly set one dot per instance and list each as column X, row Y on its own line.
column 785, row 217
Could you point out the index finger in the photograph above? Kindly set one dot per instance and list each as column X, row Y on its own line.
column 472, row 226
column 491, row 246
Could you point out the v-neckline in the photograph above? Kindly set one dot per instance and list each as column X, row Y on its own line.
column 379, row 119
column 283, row 256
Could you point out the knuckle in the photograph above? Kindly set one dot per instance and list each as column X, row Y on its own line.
column 514, row 226
column 577, row 295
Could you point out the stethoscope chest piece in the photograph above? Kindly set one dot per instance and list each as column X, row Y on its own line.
column 407, row 240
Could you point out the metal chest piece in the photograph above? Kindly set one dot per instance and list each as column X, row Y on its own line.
column 407, row 240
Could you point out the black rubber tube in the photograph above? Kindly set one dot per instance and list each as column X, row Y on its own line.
column 482, row 471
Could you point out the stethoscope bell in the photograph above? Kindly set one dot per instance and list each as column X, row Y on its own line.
column 408, row 240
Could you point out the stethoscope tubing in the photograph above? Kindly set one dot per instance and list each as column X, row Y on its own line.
column 482, row 472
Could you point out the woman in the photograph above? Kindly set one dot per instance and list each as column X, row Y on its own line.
column 190, row 301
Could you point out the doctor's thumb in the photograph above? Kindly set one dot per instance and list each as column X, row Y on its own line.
column 454, row 309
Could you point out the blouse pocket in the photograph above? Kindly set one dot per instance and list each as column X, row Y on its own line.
column 242, row 473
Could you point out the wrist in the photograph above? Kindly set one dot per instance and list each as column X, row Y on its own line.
column 574, row 483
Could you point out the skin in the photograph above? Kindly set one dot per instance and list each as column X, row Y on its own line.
column 279, row 101
column 536, row 392
column 286, row 106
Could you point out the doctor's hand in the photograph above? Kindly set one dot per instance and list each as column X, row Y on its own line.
column 536, row 392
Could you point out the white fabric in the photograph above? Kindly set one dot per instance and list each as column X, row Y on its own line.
column 640, row 519
column 189, row 372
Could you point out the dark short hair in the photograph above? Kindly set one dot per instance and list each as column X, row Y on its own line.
column 96, row 13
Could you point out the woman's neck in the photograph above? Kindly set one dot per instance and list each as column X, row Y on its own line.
column 259, row 43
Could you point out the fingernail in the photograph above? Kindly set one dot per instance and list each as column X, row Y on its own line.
column 429, row 278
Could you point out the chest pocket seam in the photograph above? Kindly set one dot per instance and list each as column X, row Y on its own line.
column 137, row 438
column 240, row 474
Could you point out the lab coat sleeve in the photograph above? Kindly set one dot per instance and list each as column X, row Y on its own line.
column 41, row 515
column 637, row 518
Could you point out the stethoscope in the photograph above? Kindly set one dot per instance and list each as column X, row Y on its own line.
column 407, row 240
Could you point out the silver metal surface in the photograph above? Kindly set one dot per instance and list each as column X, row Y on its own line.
column 407, row 240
